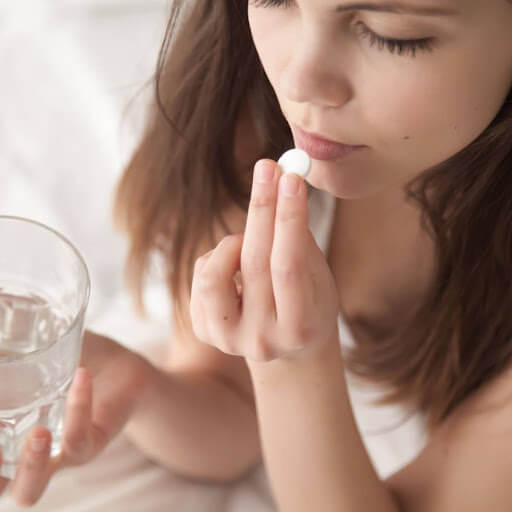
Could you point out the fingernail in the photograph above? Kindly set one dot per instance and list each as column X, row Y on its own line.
column 289, row 185
column 263, row 172
column 38, row 444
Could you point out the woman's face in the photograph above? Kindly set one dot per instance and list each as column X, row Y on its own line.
column 412, row 108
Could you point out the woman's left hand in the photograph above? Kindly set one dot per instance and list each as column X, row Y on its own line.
column 287, row 305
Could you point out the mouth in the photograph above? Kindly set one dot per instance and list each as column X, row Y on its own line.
column 320, row 148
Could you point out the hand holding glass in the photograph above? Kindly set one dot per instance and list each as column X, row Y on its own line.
column 44, row 292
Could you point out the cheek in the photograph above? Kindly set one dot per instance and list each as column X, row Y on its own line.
column 431, row 119
column 269, row 35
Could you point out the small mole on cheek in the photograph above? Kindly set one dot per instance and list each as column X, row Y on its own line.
column 407, row 137
column 225, row 318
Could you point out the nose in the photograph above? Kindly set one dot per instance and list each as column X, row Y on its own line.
column 311, row 76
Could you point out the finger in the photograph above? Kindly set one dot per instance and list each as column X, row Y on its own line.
column 3, row 481
column 33, row 470
column 196, row 309
column 215, row 288
column 201, row 262
column 290, row 252
column 77, row 440
column 258, row 240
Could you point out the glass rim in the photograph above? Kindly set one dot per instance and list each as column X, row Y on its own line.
column 84, row 303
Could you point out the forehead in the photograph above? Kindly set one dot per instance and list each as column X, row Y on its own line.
column 416, row 7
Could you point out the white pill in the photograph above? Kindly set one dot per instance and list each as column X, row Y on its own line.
column 295, row 161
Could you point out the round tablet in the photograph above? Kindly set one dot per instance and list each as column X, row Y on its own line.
column 295, row 161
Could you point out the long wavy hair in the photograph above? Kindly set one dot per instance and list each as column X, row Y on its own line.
column 184, row 172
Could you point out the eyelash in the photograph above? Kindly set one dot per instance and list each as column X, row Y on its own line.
column 400, row 45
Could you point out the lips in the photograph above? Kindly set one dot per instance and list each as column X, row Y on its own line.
column 320, row 148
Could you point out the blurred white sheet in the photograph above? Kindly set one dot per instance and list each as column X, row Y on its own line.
column 68, row 71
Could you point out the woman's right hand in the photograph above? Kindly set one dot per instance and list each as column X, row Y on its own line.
column 106, row 388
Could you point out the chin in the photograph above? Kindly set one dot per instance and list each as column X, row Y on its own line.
column 350, row 184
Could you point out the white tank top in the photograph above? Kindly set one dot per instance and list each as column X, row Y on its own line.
column 390, row 441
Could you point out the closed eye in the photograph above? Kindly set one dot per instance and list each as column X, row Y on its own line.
column 400, row 46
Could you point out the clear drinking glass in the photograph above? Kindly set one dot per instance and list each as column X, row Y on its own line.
column 44, row 292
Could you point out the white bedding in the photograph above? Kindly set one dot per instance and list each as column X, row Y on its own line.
column 68, row 69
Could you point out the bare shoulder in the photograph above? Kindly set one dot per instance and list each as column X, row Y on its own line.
column 466, row 464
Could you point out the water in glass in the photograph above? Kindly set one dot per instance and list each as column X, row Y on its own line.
column 36, row 370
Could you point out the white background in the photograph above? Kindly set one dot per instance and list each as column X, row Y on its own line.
column 69, row 70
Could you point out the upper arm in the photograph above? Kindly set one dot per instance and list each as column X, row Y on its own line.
column 189, row 354
column 468, row 461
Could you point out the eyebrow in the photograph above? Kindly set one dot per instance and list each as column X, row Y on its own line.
column 398, row 8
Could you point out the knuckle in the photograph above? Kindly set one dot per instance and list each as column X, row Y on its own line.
column 226, row 339
column 284, row 215
column 304, row 334
column 262, row 350
column 34, row 463
column 286, row 271
column 207, row 283
column 78, row 401
column 261, row 357
column 199, row 263
column 37, row 454
column 220, row 339
column 76, row 443
column 253, row 267
column 228, row 348
column 262, row 199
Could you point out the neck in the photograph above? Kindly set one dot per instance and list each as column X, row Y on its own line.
column 382, row 259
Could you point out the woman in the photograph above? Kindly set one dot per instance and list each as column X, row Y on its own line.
column 419, row 256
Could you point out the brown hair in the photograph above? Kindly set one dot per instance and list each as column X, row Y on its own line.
column 185, row 172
